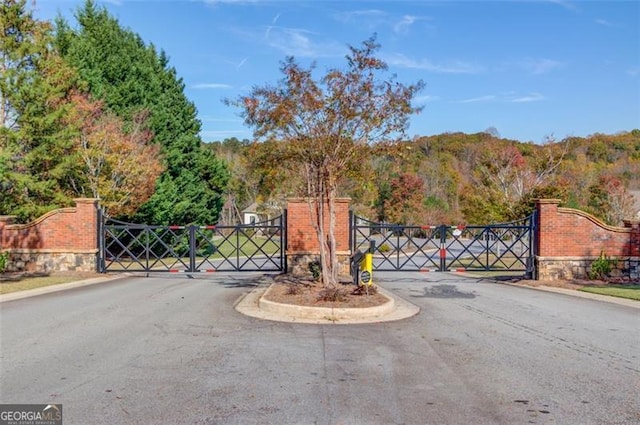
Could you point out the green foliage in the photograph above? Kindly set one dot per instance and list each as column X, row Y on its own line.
column 4, row 259
column 37, row 163
column 601, row 267
column 315, row 269
column 130, row 76
column 384, row 248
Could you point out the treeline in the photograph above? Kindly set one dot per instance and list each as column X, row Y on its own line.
column 90, row 110
column 457, row 178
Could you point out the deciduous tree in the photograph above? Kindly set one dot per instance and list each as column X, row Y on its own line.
column 119, row 167
column 322, row 125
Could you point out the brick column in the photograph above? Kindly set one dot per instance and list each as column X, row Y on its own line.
column 547, row 226
column 5, row 220
column 85, row 230
column 302, row 241
column 634, row 238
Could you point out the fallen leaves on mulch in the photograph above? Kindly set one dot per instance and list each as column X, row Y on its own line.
column 287, row 289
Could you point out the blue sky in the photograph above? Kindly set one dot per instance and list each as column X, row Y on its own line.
column 530, row 69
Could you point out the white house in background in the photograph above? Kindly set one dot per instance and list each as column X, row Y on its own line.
column 250, row 214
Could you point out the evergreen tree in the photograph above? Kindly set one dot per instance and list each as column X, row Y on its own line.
column 130, row 76
column 37, row 160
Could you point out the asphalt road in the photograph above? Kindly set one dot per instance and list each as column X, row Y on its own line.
column 172, row 350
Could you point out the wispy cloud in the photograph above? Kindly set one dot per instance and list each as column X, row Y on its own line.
column 403, row 25
column 509, row 97
column 604, row 22
column 425, row 99
column 540, row 66
column 448, row 67
column 487, row 98
column 210, row 86
column 532, row 97
column 565, row 4
column 300, row 43
column 634, row 71
column 368, row 15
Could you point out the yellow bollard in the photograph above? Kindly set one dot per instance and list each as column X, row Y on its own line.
column 366, row 269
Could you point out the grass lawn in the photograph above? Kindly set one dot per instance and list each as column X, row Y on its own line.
column 244, row 246
column 23, row 283
column 631, row 292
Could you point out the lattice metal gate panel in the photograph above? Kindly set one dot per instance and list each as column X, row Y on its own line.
column 127, row 247
column 496, row 247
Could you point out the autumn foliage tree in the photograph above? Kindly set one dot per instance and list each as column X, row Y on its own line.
column 321, row 126
column 610, row 200
column 406, row 200
column 120, row 167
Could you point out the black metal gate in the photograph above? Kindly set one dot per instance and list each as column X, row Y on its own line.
column 128, row 247
column 505, row 247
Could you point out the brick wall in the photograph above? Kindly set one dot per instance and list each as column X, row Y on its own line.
column 568, row 240
column 63, row 239
column 302, row 241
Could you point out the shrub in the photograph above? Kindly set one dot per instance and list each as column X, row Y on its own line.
column 4, row 259
column 315, row 269
column 332, row 295
column 601, row 267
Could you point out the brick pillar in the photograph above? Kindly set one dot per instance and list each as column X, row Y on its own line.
column 634, row 238
column 547, row 226
column 86, row 224
column 5, row 220
column 302, row 241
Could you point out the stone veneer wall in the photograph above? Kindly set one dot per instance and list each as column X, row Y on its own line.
column 62, row 240
column 569, row 240
column 302, row 242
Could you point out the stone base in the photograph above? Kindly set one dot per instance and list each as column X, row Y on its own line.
column 49, row 261
column 567, row 268
column 298, row 263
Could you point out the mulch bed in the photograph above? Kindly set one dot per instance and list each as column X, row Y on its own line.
column 288, row 289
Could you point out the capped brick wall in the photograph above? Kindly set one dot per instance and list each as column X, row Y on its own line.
column 568, row 240
column 67, row 233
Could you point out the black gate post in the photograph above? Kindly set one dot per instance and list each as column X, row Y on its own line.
column 443, row 249
column 284, row 265
column 533, row 227
column 100, row 263
column 192, row 249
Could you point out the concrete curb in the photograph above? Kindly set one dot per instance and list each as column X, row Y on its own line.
column 252, row 304
column 579, row 294
column 57, row 288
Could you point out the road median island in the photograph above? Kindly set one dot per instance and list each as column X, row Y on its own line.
column 256, row 304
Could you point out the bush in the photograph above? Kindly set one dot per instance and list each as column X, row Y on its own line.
column 315, row 269
column 4, row 259
column 332, row 295
column 601, row 267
